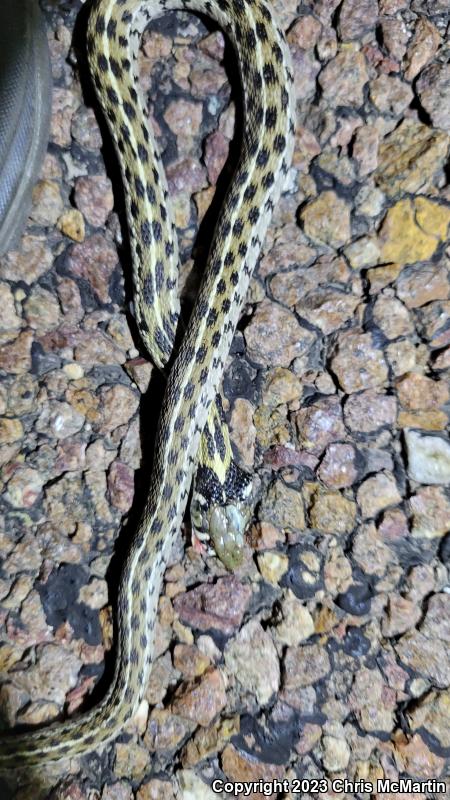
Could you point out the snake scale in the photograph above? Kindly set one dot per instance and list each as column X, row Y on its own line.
column 114, row 31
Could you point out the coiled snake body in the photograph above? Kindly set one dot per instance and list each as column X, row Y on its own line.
column 115, row 27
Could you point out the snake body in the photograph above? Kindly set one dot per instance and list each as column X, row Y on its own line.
column 114, row 31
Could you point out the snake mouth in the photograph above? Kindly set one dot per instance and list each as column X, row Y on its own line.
column 25, row 100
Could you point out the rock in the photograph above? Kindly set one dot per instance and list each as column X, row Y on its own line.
column 94, row 198
column 332, row 513
column 219, row 606
column 9, row 320
column 436, row 624
column 426, row 651
column 206, row 742
column 202, row 699
column 337, row 572
column 417, row 392
column 394, row 525
column 241, row 766
column 377, row 493
column 372, row 701
column 356, row 18
column 326, row 309
column 431, row 713
column 369, row 411
column 140, row 371
column 401, row 615
column 94, row 594
column 47, row 203
column 434, row 319
column 358, row 364
column 304, row 666
column 392, row 317
column 11, row 430
column 433, row 89
column 94, row 260
column 380, row 277
column 392, row 6
column 132, row 760
column 395, row 37
column 15, row 357
column 64, row 104
column 216, row 152
column 430, row 511
column 59, row 420
column 252, row 659
column 320, row 424
column 281, row 386
column 282, row 506
column 71, row 224
column 363, row 252
column 296, row 624
column 365, row 149
column 190, row 660
column 185, row 177
column 70, row 300
column 118, row 404
column 206, row 78
column 416, row 758
column 183, row 116
column 272, row 566
column 337, row 469
column 121, row 485
column 390, row 95
column 410, row 158
column 191, row 786
column 412, row 229
column 243, row 431
column 165, row 732
column 422, row 47
column 344, row 78
column 213, row 45
column 336, row 752
column 327, row 219
column 417, row 286
column 85, row 130
column 42, row 310
column 306, row 68
column 121, row 790
column 305, row 32
column 369, row 550
column 428, row 458
column 274, row 337
column 55, row 672
column 24, row 487
column 29, row 263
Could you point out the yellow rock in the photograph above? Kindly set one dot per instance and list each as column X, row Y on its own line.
column 272, row 566
column 412, row 230
column 426, row 420
column 71, row 224
column 432, row 218
column 11, row 430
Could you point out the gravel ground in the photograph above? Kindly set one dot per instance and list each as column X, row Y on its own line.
column 326, row 655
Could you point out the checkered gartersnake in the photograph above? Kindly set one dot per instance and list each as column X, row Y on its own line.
column 114, row 31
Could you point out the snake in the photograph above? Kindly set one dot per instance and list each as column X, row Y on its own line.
column 114, row 31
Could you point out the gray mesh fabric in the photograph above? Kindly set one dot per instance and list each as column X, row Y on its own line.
column 24, row 110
